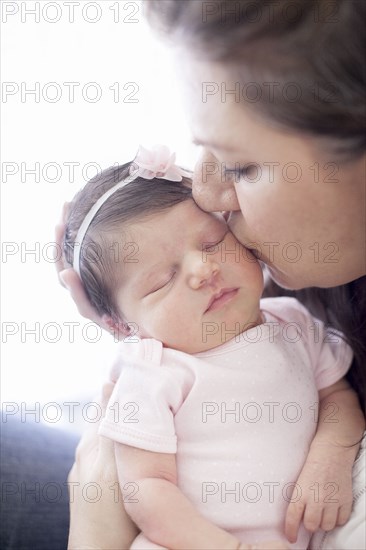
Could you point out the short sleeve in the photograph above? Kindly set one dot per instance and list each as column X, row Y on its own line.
column 329, row 354
column 141, row 409
column 332, row 358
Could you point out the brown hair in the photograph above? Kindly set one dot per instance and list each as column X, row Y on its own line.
column 100, row 253
column 305, row 58
column 319, row 46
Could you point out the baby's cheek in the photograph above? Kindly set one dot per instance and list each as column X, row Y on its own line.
column 162, row 321
column 176, row 326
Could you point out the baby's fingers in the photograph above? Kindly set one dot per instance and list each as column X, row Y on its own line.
column 313, row 517
column 344, row 513
column 329, row 519
column 294, row 515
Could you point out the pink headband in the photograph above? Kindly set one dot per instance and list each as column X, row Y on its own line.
column 157, row 163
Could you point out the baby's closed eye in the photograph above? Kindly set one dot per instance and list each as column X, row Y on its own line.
column 162, row 284
column 212, row 246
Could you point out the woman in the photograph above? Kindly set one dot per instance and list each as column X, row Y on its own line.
column 275, row 92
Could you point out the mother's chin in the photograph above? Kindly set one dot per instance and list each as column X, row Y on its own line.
column 303, row 275
column 282, row 279
column 295, row 265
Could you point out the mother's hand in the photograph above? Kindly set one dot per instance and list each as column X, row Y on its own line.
column 70, row 279
column 98, row 519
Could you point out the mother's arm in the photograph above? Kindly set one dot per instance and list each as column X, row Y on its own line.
column 97, row 515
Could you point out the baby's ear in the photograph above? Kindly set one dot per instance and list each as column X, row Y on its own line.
column 118, row 328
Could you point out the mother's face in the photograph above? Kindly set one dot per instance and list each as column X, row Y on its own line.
column 303, row 212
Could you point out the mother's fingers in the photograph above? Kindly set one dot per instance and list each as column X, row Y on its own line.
column 59, row 236
column 68, row 276
column 71, row 280
column 90, row 435
column 92, row 445
column 106, row 446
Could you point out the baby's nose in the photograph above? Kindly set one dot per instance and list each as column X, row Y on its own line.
column 202, row 271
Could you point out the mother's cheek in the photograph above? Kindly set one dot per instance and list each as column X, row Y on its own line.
column 238, row 227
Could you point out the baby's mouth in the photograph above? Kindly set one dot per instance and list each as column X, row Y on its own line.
column 221, row 298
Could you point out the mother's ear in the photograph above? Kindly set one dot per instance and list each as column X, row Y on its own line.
column 119, row 328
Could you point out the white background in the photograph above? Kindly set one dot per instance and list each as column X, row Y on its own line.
column 52, row 364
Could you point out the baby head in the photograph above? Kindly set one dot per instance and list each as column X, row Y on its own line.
column 104, row 249
column 153, row 263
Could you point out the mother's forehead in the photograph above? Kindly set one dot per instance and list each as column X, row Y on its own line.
column 221, row 116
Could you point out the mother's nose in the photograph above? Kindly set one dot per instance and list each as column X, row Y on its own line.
column 201, row 271
column 213, row 190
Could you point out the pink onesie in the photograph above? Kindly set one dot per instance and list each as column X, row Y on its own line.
column 240, row 417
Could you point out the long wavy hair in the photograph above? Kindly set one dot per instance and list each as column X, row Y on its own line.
column 319, row 46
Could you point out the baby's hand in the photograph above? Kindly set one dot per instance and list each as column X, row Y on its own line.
column 323, row 492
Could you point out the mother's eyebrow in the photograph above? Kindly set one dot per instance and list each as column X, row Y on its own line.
column 212, row 144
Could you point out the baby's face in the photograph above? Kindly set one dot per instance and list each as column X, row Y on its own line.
column 192, row 284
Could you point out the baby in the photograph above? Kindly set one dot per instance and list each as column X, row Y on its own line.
column 219, row 443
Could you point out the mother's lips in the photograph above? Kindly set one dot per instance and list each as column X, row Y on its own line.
column 221, row 298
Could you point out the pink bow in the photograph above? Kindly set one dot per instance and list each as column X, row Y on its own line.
column 157, row 163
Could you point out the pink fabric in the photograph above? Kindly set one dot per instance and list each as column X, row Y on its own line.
column 240, row 417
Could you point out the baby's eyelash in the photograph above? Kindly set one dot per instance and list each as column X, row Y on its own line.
column 162, row 285
column 206, row 247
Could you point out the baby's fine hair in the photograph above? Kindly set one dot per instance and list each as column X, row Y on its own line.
column 103, row 249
